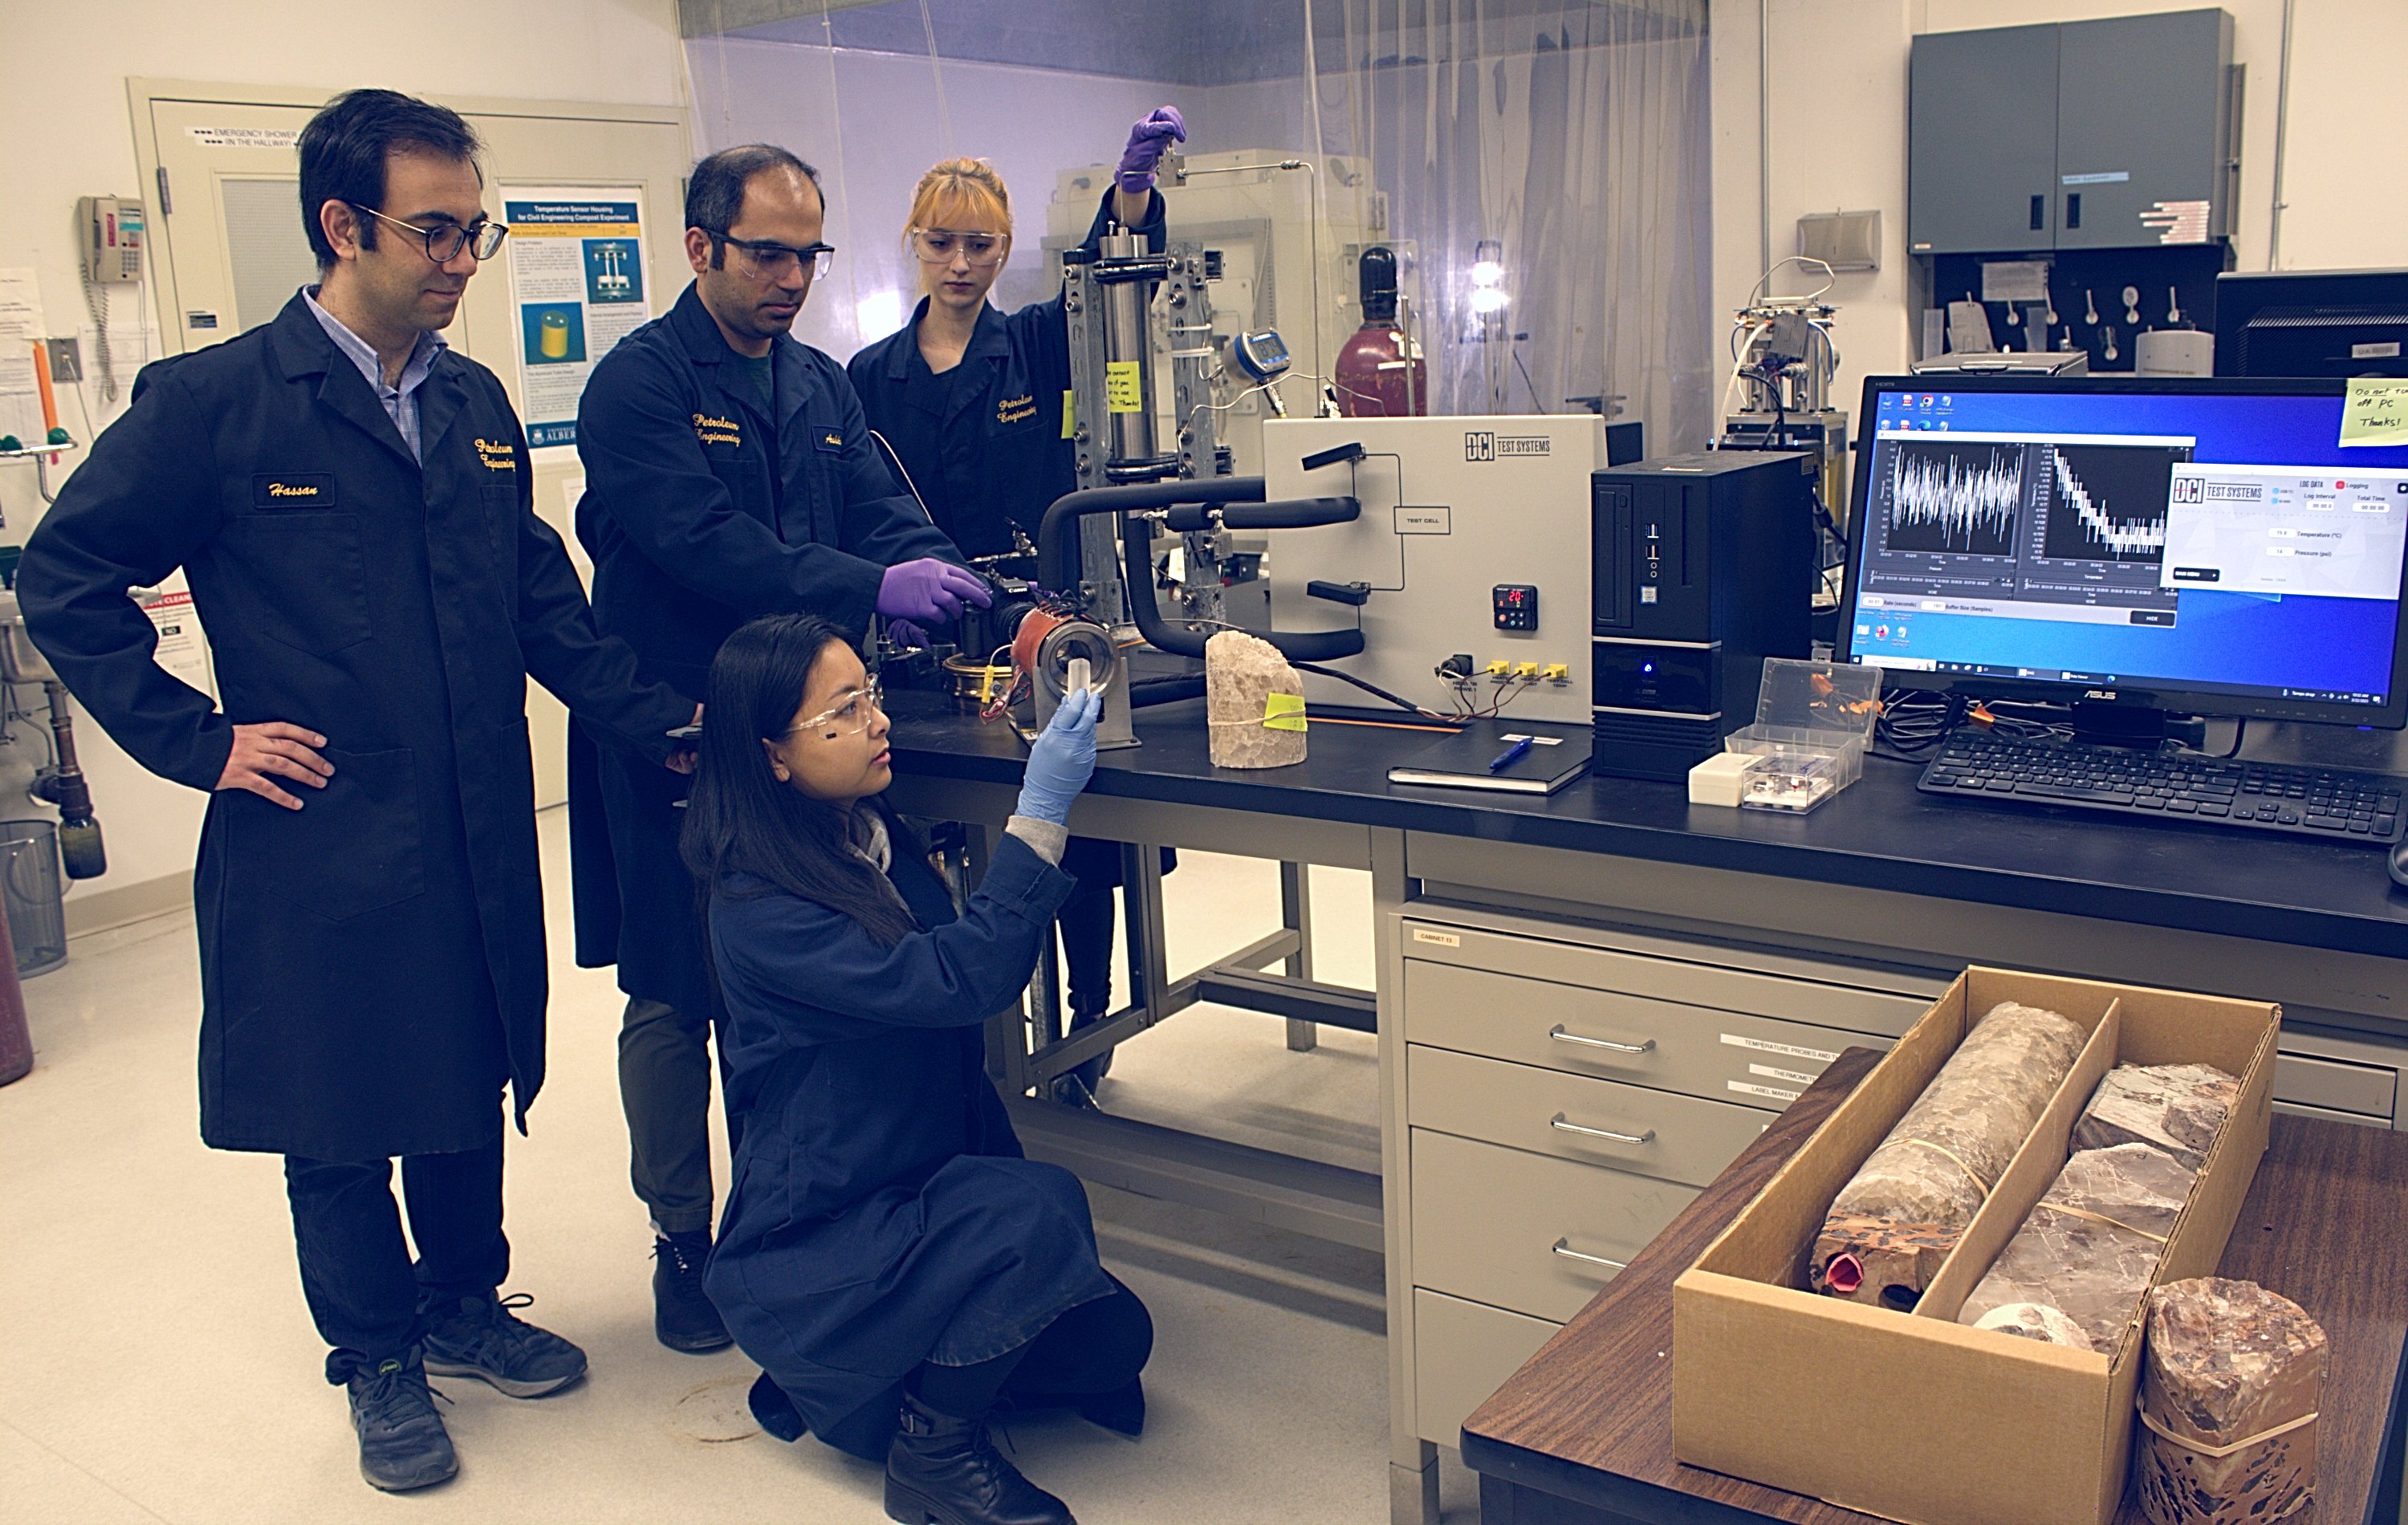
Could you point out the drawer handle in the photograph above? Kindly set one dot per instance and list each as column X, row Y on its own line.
column 1558, row 1034
column 1564, row 1248
column 1557, row 1123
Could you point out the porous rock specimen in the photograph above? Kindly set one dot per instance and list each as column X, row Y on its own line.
column 2174, row 1107
column 2229, row 1400
column 1241, row 673
column 1896, row 1220
column 2090, row 1246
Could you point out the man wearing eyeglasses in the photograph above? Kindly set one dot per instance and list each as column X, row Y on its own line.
column 352, row 503
column 729, row 474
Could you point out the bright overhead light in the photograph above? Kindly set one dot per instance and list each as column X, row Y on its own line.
column 879, row 315
column 1487, row 300
column 1488, row 272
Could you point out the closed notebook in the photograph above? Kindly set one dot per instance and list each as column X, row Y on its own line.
column 1465, row 761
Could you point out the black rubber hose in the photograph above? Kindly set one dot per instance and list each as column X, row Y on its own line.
column 1286, row 513
column 1147, row 692
column 1137, row 574
column 1058, row 558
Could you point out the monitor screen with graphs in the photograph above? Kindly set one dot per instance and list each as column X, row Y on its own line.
column 2203, row 545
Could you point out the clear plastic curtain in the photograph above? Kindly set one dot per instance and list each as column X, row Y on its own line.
column 1562, row 142
column 1547, row 165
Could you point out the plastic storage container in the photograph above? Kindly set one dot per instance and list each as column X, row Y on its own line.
column 33, row 889
column 1813, row 721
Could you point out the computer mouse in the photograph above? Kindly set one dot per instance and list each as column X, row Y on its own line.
column 2400, row 863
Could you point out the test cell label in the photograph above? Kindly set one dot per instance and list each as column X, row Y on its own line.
column 1795, row 1077
column 1763, row 1045
column 1772, row 1093
column 1437, row 519
column 1442, row 939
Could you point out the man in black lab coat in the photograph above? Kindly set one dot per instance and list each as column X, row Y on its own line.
column 354, row 507
column 729, row 474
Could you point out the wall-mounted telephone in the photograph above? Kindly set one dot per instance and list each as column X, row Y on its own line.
column 115, row 230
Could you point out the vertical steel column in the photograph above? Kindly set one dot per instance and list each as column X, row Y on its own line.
column 1295, row 914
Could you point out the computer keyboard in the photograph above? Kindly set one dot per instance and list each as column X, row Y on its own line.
column 2324, row 803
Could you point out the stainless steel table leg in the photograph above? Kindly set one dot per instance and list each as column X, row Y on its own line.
column 1295, row 914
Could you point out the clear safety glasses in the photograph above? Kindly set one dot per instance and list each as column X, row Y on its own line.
column 850, row 718
column 444, row 240
column 939, row 246
column 776, row 260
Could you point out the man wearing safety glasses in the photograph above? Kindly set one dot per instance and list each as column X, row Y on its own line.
column 352, row 504
column 729, row 474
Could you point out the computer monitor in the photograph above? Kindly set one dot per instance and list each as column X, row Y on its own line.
column 2200, row 546
column 2311, row 322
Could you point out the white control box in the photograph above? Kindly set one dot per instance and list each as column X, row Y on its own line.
column 1473, row 541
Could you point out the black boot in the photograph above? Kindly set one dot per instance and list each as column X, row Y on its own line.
column 943, row 1471
column 1092, row 1072
column 683, row 1316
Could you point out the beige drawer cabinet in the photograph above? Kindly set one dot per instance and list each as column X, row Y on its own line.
column 1682, row 1139
column 1526, row 1233
column 1467, row 1350
column 1642, row 1040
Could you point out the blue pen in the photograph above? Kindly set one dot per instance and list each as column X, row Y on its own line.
column 1512, row 754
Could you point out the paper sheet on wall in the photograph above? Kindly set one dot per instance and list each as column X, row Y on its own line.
column 183, row 647
column 577, row 287
column 20, row 324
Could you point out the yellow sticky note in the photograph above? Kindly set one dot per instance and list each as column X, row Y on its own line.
column 1124, row 389
column 2375, row 412
column 1283, row 712
column 1069, row 414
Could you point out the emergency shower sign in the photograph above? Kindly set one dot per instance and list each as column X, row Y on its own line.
column 578, row 287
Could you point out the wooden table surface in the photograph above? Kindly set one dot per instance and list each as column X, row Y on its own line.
column 1587, row 1421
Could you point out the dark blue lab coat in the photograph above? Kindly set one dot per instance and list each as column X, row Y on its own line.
column 881, row 1213
column 372, row 965
column 695, row 527
column 986, row 445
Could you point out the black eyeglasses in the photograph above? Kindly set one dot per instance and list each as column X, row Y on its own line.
column 483, row 237
column 773, row 261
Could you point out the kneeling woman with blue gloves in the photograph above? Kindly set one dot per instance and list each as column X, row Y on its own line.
column 887, row 1255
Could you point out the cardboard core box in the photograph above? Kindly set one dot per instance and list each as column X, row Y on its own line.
column 1912, row 1416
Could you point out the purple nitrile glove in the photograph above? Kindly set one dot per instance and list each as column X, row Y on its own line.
column 930, row 591
column 1148, row 140
column 905, row 635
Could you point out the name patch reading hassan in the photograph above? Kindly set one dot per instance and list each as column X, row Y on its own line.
column 497, row 455
column 1015, row 410
column 716, row 431
column 293, row 490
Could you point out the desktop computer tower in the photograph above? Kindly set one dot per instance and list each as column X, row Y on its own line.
column 1702, row 566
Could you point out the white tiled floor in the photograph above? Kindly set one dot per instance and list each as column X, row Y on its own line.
column 156, row 1361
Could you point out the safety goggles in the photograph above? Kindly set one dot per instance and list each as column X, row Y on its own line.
column 850, row 718
column 939, row 246
column 483, row 237
column 776, row 260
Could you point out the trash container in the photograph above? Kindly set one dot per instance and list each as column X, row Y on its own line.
column 33, row 888
column 16, row 1039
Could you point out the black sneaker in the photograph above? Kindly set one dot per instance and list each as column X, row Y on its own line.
column 683, row 1316
column 402, row 1443
column 483, row 1337
column 943, row 1471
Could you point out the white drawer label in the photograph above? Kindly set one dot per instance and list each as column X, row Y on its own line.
column 1796, row 1077
column 1770, row 1092
column 1444, row 939
column 1764, row 1046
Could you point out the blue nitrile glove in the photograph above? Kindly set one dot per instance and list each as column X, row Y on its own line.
column 1061, row 759
column 930, row 591
column 906, row 635
column 1148, row 140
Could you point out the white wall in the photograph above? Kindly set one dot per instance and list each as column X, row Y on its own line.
column 64, row 117
column 1838, row 141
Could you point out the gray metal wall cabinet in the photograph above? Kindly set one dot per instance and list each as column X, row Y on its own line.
column 2104, row 134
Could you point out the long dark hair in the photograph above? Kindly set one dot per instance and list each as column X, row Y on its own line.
column 741, row 821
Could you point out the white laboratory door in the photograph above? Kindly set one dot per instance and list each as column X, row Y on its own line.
column 228, row 248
